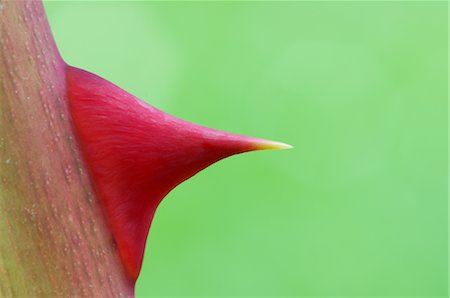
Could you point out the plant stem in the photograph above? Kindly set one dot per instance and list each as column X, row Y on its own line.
column 54, row 240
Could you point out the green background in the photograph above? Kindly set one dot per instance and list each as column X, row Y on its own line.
column 358, row 208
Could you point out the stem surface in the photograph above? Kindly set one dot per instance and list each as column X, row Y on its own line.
column 53, row 236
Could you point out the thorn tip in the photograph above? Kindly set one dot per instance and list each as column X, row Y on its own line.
column 272, row 145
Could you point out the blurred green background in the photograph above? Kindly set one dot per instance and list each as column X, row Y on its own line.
column 358, row 208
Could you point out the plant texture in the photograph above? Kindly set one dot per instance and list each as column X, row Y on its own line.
column 83, row 167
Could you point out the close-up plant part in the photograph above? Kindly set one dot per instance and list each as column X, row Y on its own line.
column 106, row 192
column 84, row 165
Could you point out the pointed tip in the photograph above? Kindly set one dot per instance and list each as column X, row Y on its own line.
column 262, row 144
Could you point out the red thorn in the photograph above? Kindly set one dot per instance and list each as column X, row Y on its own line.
column 136, row 154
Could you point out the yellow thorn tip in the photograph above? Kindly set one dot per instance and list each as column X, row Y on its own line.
column 271, row 145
